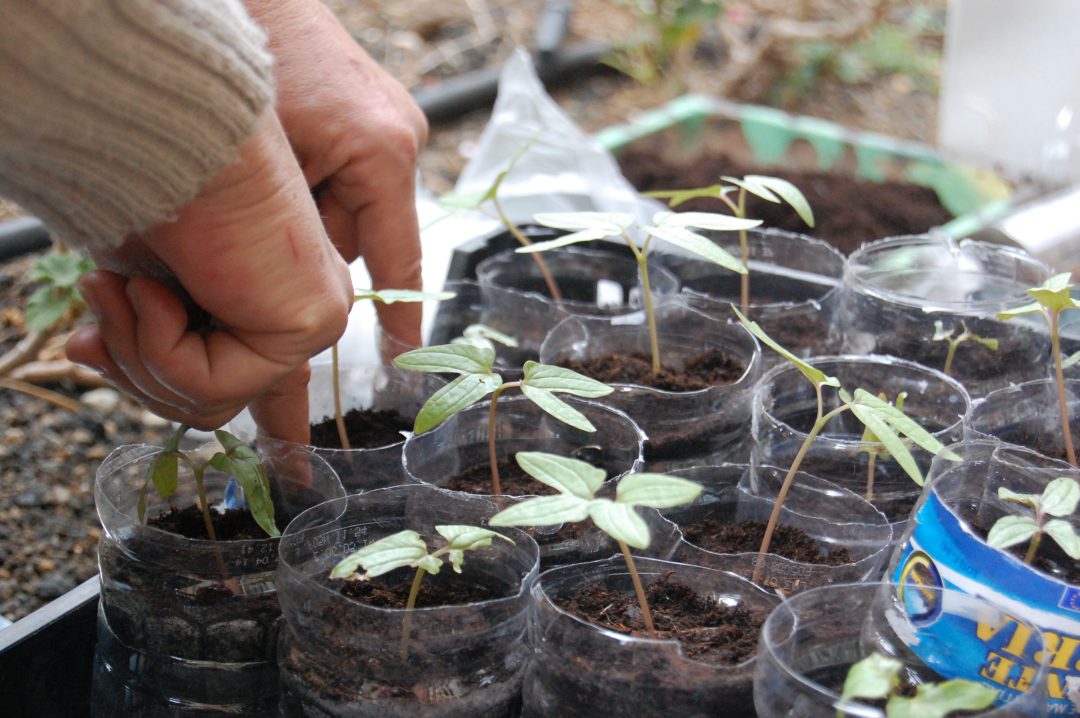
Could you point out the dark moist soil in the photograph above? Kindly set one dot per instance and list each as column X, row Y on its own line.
column 375, row 592
column 512, row 478
column 713, row 368
column 230, row 525
column 847, row 212
column 366, row 429
column 787, row 541
column 708, row 632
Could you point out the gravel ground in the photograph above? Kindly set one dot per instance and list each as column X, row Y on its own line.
column 48, row 528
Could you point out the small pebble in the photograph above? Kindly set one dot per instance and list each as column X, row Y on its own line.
column 102, row 400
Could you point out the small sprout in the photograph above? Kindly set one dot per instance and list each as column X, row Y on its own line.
column 237, row 460
column 1051, row 299
column 577, row 483
column 58, row 298
column 1058, row 499
column 947, row 335
column 476, row 378
column 386, row 296
column 667, row 226
column 877, row 677
column 888, row 424
column 407, row 549
column 771, row 189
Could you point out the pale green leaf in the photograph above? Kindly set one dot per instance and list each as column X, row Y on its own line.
column 676, row 197
column 558, row 408
column 697, row 244
column 482, row 331
column 1015, row 497
column 468, row 538
column 612, row 223
column 1071, row 360
column 462, row 392
column 937, row 700
column 1017, row 311
column 61, row 269
column 789, row 193
column 565, row 475
column 1065, row 535
column 904, row 425
column 814, row 375
column 621, row 522
column 1054, row 293
column 704, row 220
column 940, row 334
column 456, row 557
column 585, row 235
column 657, row 491
column 431, row 564
column 543, row 511
column 447, row 359
column 463, row 200
column 556, row 378
column 390, row 296
column 877, row 424
column 45, row 307
column 753, row 187
column 252, row 478
column 1011, row 530
column 404, row 548
column 872, row 677
column 990, row 343
column 1060, row 496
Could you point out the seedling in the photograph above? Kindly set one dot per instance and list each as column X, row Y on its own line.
column 491, row 194
column 667, row 226
column 577, row 483
column 59, row 297
column 1058, row 499
column 386, row 296
column 237, row 459
column 877, row 677
column 955, row 340
column 1051, row 299
column 770, row 189
column 481, row 335
column 873, row 447
column 888, row 424
column 408, row 549
column 474, row 366
column 670, row 28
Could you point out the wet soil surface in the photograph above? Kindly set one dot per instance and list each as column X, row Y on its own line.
column 714, row 368
column 787, row 541
column 365, row 429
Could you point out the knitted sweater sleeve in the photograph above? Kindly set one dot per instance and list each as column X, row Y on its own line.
column 113, row 113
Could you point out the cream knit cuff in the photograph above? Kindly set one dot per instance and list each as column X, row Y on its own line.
column 113, row 113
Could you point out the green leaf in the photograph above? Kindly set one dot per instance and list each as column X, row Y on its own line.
column 1054, row 293
column 543, row 511
column 1065, row 535
column 704, row 220
column 462, row 392
column 558, row 408
column 1026, row 309
column 1071, row 360
column 657, row 491
column 612, row 223
column 1011, row 530
column 45, row 307
column 163, row 473
column 565, row 475
column 1060, row 496
column 389, row 296
column 697, row 244
column 676, row 197
column 404, row 548
column 468, row 538
column 1031, row 500
column 815, row 376
column 621, row 522
column 940, row 334
column 233, row 446
column 879, row 426
column 252, row 478
column 448, row 359
column 904, row 425
column 873, row 677
column 753, row 187
column 555, row 378
column 485, row 334
column 61, row 269
column 585, row 235
column 788, row 192
column 937, row 700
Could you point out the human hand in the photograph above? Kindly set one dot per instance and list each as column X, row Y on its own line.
column 251, row 251
column 357, row 134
